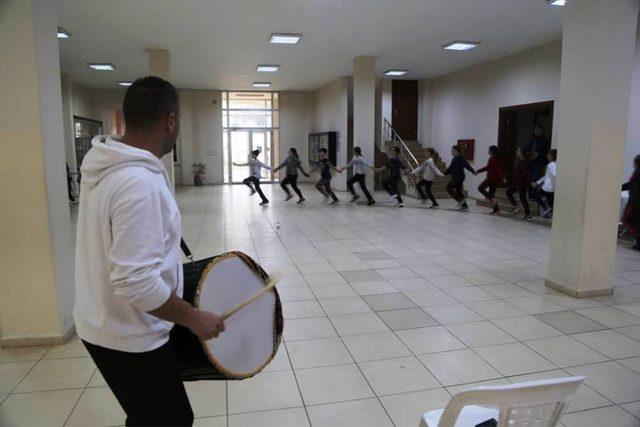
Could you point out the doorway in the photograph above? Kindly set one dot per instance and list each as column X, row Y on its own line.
column 241, row 142
column 404, row 108
column 84, row 131
column 515, row 129
column 250, row 121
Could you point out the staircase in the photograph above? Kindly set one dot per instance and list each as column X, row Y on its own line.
column 412, row 154
column 439, row 188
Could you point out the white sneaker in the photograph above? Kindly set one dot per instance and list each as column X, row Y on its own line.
column 400, row 205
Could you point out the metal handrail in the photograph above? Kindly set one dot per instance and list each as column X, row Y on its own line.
column 405, row 154
column 393, row 136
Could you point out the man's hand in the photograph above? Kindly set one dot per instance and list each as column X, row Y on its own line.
column 205, row 324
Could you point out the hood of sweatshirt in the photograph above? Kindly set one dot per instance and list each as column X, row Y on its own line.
column 108, row 154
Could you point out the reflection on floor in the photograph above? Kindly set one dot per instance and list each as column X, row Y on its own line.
column 388, row 312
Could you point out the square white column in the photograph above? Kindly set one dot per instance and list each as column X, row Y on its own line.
column 599, row 38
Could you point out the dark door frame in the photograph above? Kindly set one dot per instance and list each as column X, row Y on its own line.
column 505, row 132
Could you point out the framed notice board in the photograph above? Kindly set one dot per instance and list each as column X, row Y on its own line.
column 328, row 140
column 468, row 147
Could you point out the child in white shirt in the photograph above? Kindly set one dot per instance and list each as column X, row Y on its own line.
column 547, row 185
column 429, row 172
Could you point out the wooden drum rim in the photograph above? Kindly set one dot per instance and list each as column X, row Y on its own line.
column 196, row 303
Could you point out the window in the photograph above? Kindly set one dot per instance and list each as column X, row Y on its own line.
column 250, row 121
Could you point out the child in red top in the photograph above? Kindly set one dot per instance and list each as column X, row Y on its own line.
column 521, row 183
column 493, row 180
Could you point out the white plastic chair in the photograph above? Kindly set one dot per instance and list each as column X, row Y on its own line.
column 530, row 404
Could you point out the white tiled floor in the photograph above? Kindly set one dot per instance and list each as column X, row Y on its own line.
column 388, row 312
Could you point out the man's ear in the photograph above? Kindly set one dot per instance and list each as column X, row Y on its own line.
column 171, row 122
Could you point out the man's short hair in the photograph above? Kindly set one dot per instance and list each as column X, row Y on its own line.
column 148, row 100
column 323, row 150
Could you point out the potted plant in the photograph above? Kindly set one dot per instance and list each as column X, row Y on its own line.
column 199, row 171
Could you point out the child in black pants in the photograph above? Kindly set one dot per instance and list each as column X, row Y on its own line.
column 494, row 179
column 546, row 186
column 253, row 181
column 520, row 184
column 429, row 172
column 456, row 169
column 324, row 183
column 395, row 167
column 292, row 164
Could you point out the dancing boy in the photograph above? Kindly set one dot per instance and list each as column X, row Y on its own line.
column 253, row 181
column 456, row 169
column 395, row 166
column 360, row 166
column 324, row 183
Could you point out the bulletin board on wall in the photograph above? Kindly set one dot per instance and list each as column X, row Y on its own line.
column 328, row 140
column 468, row 147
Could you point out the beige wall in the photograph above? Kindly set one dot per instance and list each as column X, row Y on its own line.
column 206, row 120
column 36, row 254
column 330, row 113
column 295, row 113
column 465, row 104
column 95, row 104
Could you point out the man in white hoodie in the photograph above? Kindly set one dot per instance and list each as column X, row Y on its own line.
column 128, row 269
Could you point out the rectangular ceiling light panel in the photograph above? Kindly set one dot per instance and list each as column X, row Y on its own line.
column 267, row 68
column 461, row 45
column 285, row 38
column 100, row 66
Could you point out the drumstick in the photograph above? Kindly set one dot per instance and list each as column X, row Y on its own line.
column 270, row 285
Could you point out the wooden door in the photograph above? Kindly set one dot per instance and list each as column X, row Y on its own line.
column 507, row 136
column 404, row 113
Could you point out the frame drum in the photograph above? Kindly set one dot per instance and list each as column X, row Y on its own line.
column 252, row 335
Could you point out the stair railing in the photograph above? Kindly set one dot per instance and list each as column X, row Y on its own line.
column 391, row 137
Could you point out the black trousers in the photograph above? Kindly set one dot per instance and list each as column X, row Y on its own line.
column 360, row 179
column 293, row 180
column 391, row 185
column 256, row 185
column 426, row 192
column 522, row 194
column 538, row 194
column 487, row 189
column 324, row 186
column 455, row 189
column 147, row 385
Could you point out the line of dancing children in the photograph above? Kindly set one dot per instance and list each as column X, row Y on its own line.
column 524, row 183
column 541, row 190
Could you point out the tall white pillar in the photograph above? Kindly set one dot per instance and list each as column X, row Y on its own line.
column 36, row 253
column 598, row 45
column 364, row 108
column 160, row 65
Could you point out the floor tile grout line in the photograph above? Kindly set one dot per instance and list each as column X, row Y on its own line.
column 355, row 363
column 74, row 406
column 295, row 377
column 547, row 298
column 27, row 373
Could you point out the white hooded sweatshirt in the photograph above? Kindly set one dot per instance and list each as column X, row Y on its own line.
column 127, row 248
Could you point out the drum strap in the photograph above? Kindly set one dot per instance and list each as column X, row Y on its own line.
column 186, row 250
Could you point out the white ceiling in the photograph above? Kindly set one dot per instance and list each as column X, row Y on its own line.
column 216, row 44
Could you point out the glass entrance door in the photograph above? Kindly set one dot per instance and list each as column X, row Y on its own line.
column 261, row 140
column 240, row 144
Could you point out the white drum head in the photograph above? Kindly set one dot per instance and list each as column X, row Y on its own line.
column 247, row 344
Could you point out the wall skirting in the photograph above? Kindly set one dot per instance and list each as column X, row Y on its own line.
column 37, row 340
column 576, row 293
